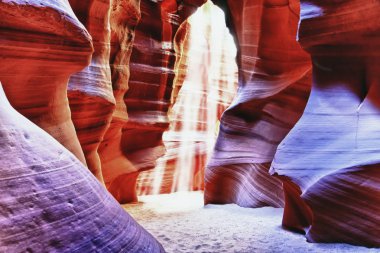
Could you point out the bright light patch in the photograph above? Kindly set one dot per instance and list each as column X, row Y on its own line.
column 205, row 84
column 171, row 203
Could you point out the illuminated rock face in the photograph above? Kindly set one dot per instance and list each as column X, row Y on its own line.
column 42, row 44
column 204, row 85
column 50, row 202
column 124, row 17
column 274, row 84
column 90, row 90
column 330, row 161
column 134, row 140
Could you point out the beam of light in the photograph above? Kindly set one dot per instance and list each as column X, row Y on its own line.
column 204, row 86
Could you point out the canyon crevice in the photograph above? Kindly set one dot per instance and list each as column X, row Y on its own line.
column 255, row 102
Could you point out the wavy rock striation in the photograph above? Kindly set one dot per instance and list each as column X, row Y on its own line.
column 50, row 202
column 330, row 162
column 274, row 84
column 38, row 56
column 204, row 85
column 116, row 168
column 133, row 142
column 90, row 90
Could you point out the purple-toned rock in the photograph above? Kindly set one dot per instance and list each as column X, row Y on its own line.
column 274, row 84
column 330, row 161
column 50, row 202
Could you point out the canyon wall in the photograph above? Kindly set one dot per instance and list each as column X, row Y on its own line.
column 38, row 57
column 330, row 162
column 124, row 18
column 274, row 84
column 81, row 61
column 117, row 84
column 204, row 85
column 90, row 90
column 133, row 142
column 49, row 200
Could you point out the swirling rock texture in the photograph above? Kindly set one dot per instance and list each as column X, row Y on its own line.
column 90, row 90
column 204, row 85
column 330, row 161
column 134, row 140
column 124, row 18
column 274, row 84
column 50, row 202
column 42, row 44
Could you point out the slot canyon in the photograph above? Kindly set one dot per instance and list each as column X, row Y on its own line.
column 189, row 126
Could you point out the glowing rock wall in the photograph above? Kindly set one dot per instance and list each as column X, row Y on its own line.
column 204, row 85
column 134, row 141
column 329, row 162
column 274, row 84
column 90, row 90
column 147, row 74
column 49, row 201
column 42, row 44
column 124, row 18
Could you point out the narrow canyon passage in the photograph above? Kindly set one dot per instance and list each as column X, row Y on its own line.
column 197, row 126
column 204, row 86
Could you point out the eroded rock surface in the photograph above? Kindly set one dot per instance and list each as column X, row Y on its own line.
column 330, row 161
column 117, row 170
column 90, row 90
column 274, row 84
column 204, row 85
column 50, row 202
column 42, row 44
column 134, row 140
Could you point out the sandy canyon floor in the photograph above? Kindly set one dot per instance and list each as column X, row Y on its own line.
column 182, row 224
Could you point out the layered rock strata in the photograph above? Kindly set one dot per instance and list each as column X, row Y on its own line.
column 42, row 44
column 50, row 202
column 204, row 85
column 133, row 142
column 90, row 90
column 124, row 18
column 330, row 162
column 274, row 84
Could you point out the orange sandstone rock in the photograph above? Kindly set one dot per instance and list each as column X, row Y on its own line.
column 274, row 84
column 90, row 90
column 134, row 140
column 204, row 85
column 42, row 44
column 124, row 17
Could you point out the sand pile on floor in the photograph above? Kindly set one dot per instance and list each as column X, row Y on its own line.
column 182, row 224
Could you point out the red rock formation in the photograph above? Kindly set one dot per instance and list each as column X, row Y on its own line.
column 330, row 162
column 124, row 17
column 90, row 91
column 42, row 44
column 134, row 142
column 273, row 89
column 204, row 85
column 50, row 202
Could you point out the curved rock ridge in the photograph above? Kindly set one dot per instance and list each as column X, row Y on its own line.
column 38, row 56
column 90, row 90
column 50, row 202
column 204, row 85
column 330, row 161
column 53, row 17
column 274, row 84
column 134, row 140
column 124, row 17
